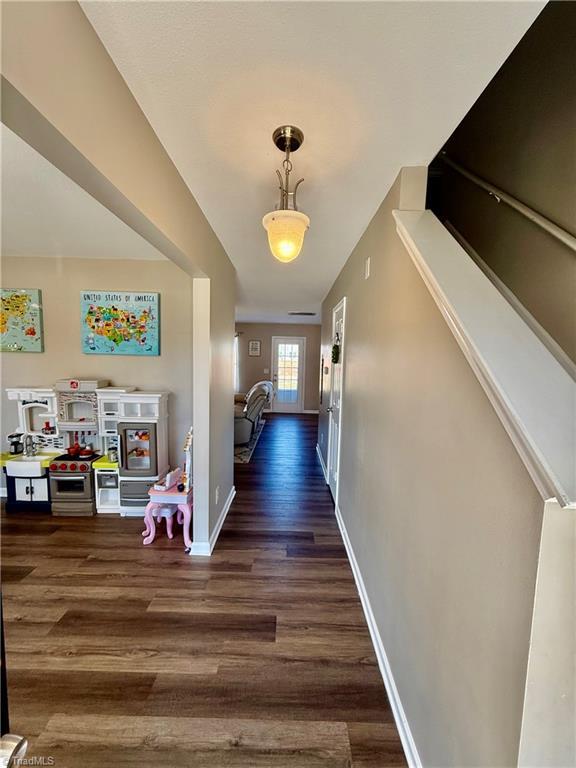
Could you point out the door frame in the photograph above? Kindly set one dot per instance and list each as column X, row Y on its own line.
column 301, row 372
column 341, row 305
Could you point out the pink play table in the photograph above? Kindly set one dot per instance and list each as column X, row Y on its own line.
column 182, row 501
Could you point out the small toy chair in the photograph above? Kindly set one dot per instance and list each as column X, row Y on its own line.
column 160, row 508
column 159, row 512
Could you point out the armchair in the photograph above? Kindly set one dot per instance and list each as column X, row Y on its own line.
column 248, row 410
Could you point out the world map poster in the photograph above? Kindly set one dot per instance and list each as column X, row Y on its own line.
column 21, row 320
column 120, row 323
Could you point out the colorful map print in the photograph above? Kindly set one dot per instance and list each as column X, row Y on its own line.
column 21, row 320
column 120, row 323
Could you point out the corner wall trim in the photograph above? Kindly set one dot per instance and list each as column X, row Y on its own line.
column 200, row 548
column 322, row 464
column 400, row 718
column 205, row 548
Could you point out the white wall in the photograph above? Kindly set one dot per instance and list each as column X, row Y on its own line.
column 441, row 513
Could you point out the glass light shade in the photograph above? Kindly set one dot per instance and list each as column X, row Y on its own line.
column 286, row 230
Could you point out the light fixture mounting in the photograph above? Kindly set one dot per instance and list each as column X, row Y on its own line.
column 288, row 137
column 286, row 226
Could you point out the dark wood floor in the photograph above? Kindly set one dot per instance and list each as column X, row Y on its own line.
column 124, row 655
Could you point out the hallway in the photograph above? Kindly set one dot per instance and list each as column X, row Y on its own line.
column 259, row 656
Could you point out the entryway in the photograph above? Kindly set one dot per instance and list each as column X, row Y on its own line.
column 288, row 360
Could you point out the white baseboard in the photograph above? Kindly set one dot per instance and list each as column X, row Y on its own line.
column 132, row 511
column 218, row 527
column 270, row 410
column 204, row 548
column 322, row 464
column 201, row 548
column 393, row 696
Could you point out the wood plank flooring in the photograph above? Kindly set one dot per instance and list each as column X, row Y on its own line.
column 124, row 655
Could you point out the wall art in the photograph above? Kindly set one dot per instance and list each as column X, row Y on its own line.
column 120, row 322
column 21, row 320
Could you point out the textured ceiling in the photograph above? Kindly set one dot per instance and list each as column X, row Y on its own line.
column 374, row 85
column 44, row 213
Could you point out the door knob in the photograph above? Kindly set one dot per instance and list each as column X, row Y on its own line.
column 329, row 409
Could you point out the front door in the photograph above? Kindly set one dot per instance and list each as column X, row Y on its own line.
column 288, row 353
column 335, row 408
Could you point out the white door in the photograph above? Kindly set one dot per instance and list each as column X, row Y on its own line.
column 288, row 355
column 39, row 489
column 22, row 487
column 335, row 407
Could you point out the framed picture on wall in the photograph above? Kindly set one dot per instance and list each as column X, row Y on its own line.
column 254, row 348
column 120, row 323
column 21, row 327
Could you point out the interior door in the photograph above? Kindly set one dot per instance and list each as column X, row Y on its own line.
column 288, row 356
column 335, row 407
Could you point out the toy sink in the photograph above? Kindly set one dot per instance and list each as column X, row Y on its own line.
column 28, row 466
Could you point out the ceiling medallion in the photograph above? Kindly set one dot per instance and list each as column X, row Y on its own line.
column 286, row 226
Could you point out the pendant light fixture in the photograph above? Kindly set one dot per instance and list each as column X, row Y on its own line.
column 286, row 226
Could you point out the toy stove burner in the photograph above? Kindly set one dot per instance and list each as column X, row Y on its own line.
column 67, row 463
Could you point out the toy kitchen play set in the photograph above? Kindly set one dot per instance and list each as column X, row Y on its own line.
column 84, row 447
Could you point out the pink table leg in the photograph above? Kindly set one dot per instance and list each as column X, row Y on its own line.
column 146, row 530
column 150, row 531
column 186, row 510
column 169, row 524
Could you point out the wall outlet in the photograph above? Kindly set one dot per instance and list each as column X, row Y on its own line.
column 266, row 370
column 217, row 494
column 367, row 268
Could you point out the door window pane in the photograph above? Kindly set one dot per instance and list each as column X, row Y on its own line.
column 288, row 365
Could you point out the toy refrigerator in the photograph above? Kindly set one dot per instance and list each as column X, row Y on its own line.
column 138, row 444
column 142, row 459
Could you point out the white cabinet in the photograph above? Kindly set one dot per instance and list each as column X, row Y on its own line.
column 31, row 489
column 108, row 426
column 123, row 404
column 143, row 406
column 22, row 485
column 107, row 491
column 108, row 407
